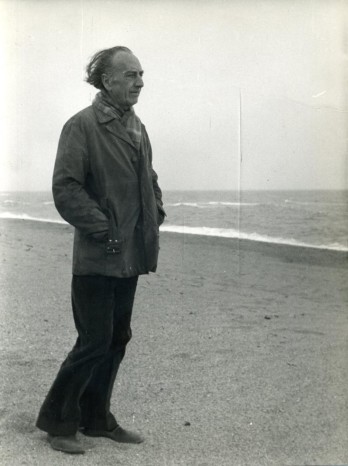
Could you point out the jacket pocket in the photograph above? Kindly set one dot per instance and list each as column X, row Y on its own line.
column 114, row 243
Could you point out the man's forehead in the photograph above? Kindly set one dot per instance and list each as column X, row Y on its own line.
column 123, row 61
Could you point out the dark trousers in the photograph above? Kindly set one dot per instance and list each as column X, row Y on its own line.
column 80, row 395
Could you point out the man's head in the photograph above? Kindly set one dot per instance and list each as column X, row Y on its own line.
column 118, row 72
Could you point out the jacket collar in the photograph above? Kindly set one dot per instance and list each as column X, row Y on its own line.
column 112, row 124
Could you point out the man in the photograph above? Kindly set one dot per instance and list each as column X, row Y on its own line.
column 104, row 185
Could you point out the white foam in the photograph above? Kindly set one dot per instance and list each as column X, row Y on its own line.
column 186, row 204
column 204, row 205
column 206, row 231
column 234, row 204
column 29, row 217
column 12, row 202
column 232, row 233
column 315, row 203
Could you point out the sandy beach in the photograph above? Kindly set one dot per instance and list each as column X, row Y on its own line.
column 238, row 357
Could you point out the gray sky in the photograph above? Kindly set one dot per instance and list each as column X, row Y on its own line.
column 272, row 72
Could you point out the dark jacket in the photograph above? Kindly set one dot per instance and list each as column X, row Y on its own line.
column 107, row 189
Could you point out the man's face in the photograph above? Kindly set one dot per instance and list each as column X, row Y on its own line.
column 125, row 81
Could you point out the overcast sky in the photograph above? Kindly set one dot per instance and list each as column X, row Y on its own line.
column 238, row 94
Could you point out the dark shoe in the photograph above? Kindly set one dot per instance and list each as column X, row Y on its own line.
column 66, row 443
column 118, row 435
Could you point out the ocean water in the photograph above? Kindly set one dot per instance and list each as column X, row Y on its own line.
column 315, row 219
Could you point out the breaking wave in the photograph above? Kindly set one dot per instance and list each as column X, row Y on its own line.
column 29, row 217
column 204, row 205
column 235, row 234
column 205, row 231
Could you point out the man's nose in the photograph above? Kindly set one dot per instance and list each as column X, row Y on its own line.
column 139, row 81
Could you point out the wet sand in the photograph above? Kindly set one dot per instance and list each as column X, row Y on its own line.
column 238, row 357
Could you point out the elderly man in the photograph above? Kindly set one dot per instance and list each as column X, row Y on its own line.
column 104, row 185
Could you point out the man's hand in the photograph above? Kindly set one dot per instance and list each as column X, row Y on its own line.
column 160, row 215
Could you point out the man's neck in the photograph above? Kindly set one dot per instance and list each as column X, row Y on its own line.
column 119, row 108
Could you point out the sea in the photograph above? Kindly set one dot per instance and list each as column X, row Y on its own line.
column 313, row 219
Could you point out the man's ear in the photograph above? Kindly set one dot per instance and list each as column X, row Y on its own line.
column 106, row 81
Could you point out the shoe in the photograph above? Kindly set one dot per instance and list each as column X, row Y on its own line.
column 66, row 443
column 118, row 435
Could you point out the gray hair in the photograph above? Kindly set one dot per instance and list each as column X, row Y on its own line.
column 101, row 64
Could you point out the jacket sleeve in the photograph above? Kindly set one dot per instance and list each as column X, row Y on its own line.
column 156, row 188
column 71, row 198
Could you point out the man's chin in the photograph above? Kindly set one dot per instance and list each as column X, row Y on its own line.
column 133, row 100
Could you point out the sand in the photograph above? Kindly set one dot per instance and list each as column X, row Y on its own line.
column 238, row 357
